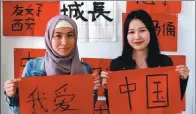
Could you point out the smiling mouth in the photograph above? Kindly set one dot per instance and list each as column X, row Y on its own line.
column 64, row 49
column 138, row 43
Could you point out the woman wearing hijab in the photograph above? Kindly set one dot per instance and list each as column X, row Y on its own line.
column 61, row 58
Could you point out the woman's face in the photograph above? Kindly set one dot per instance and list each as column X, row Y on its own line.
column 138, row 35
column 63, row 41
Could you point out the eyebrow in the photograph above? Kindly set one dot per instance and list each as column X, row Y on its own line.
column 62, row 33
column 139, row 28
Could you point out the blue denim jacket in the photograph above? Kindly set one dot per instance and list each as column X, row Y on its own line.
column 35, row 67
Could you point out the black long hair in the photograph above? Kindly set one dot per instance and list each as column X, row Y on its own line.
column 153, row 58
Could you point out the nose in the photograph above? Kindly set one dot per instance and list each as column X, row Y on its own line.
column 137, row 36
column 64, row 40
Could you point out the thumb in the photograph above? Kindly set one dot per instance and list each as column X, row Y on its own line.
column 16, row 80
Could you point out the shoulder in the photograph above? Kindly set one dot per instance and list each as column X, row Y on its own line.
column 116, row 61
column 36, row 63
column 86, row 67
column 119, row 64
column 34, row 67
column 38, row 60
column 165, row 60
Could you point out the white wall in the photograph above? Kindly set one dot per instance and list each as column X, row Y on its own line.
column 186, row 46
